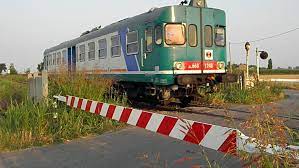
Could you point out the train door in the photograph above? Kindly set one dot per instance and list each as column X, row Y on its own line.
column 209, row 53
column 69, row 59
column 214, row 50
column 74, row 59
column 194, row 46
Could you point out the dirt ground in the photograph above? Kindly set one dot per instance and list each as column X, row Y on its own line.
column 279, row 76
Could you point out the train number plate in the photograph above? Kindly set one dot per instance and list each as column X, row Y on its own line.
column 198, row 65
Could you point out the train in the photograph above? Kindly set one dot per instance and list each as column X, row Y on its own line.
column 165, row 53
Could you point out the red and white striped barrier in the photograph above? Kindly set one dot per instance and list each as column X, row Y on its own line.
column 223, row 139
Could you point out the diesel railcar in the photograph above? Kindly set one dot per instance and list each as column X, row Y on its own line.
column 165, row 53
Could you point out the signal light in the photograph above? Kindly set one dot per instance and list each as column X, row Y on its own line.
column 264, row 55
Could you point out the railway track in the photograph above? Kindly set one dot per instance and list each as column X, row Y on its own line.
column 213, row 111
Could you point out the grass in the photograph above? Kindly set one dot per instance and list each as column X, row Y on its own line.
column 260, row 94
column 29, row 124
column 278, row 71
column 291, row 86
column 269, row 129
column 13, row 89
column 84, row 86
column 25, row 124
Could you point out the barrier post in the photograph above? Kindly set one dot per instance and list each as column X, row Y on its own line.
column 38, row 86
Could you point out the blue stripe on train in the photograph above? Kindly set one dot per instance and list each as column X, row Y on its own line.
column 131, row 60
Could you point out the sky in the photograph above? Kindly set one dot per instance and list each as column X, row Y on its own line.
column 28, row 27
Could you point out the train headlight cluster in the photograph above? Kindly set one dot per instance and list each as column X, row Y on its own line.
column 220, row 65
column 178, row 66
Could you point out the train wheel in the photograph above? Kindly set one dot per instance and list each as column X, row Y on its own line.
column 185, row 101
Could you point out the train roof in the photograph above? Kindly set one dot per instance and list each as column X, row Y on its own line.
column 149, row 16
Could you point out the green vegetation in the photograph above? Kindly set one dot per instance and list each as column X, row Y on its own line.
column 265, row 125
column 3, row 68
column 278, row 71
column 28, row 124
column 260, row 94
column 25, row 124
column 12, row 69
column 270, row 64
column 13, row 89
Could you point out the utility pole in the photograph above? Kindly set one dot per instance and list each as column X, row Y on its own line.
column 230, row 58
column 257, row 64
column 247, row 48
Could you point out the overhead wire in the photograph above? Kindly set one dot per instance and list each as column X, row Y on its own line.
column 266, row 38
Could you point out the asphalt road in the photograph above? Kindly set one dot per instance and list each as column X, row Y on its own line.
column 134, row 147
column 128, row 148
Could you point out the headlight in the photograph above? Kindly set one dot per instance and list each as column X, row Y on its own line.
column 221, row 65
column 178, row 66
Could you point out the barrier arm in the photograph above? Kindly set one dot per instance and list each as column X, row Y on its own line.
column 223, row 139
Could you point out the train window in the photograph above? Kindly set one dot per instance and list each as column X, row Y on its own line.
column 58, row 58
column 54, row 59
column 82, row 53
column 132, row 43
column 175, row 34
column 192, row 35
column 91, row 51
column 158, row 35
column 149, row 39
column 115, row 46
column 208, row 36
column 220, row 36
column 64, row 57
column 103, row 48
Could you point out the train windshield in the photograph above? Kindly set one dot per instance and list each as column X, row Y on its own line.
column 220, row 36
column 175, row 34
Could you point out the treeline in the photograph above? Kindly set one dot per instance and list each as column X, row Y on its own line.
column 279, row 71
column 11, row 69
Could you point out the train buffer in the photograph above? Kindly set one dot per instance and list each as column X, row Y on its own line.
column 222, row 139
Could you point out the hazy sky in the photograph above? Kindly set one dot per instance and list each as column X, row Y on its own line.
column 28, row 27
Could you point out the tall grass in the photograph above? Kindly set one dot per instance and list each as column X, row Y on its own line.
column 27, row 124
column 269, row 130
column 85, row 85
column 13, row 89
column 260, row 94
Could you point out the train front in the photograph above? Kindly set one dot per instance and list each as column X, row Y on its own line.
column 195, row 47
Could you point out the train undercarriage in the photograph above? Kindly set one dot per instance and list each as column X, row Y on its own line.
column 184, row 90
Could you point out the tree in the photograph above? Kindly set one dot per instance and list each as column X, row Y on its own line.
column 12, row 69
column 27, row 71
column 270, row 64
column 40, row 67
column 3, row 68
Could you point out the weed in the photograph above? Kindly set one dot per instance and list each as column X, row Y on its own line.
column 270, row 130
